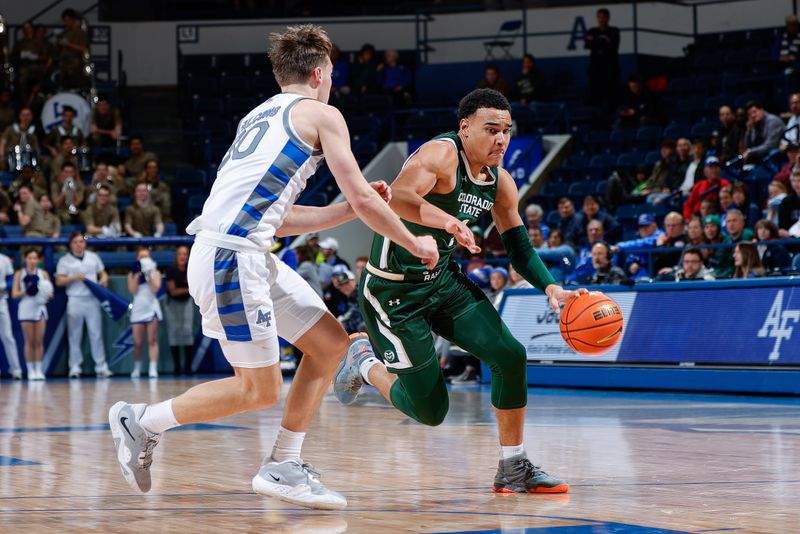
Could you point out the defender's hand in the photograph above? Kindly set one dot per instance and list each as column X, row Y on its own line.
column 427, row 251
column 557, row 295
column 383, row 189
column 463, row 234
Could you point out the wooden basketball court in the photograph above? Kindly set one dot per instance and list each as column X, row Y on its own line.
column 638, row 463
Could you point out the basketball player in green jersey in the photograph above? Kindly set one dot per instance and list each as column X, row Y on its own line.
column 445, row 187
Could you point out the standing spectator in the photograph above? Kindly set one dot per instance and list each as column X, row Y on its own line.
column 694, row 232
column 774, row 256
column 764, row 131
column 571, row 224
column 29, row 213
column 603, row 42
column 789, row 210
column 533, row 218
column 160, row 195
column 307, row 268
column 394, row 79
column 82, row 307
column 50, row 223
column 591, row 212
column 102, row 218
column 144, row 281
column 702, row 189
column 67, row 191
column 31, row 287
column 28, row 58
column 492, row 79
column 134, row 165
column 106, row 124
column 23, row 134
column 791, row 134
column 719, row 259
column 731, row 137
column 67, row 128
column 789, row 45
column 694, row 171
column 364, row 71
column 6, row 331
column 776, row 192
column 531, row 84
column 180, row 313
column 141, row 217
column 745, row 258
column 73, row 43
column 673, row 236
column 637, row 107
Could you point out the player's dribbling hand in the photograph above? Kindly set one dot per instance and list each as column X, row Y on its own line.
column 557, row 295
column 383, row 189
column 427, row 251
column 463, row 235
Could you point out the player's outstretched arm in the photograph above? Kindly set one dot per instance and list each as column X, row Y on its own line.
column 518, row 246
column 303, row 219
column 366, row 202
column 432, row 167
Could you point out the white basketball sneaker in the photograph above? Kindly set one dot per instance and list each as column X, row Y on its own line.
column 298, row 483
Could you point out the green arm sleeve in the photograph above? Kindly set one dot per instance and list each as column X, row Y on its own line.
column 524, row 259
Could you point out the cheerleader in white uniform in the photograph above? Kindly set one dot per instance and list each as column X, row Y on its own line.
column 33, row 287
column 144, row 281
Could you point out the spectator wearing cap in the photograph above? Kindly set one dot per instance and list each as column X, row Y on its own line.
column 719, row 259
column 350, row 317
column 533, row 218
column 333, row 298
column 791, row 134
column 774, row 256
column 637, row 265
column 764, row 131
column 705, row 188
column 498, row 279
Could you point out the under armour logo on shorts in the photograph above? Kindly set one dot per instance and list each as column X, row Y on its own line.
column 264, row 318
column 394, row 302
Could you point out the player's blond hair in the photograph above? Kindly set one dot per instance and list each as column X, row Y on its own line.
column 297, row 51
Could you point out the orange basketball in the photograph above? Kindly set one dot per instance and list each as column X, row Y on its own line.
column 591, row 323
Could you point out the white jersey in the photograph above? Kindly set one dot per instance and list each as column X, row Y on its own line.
column 260, row 177
column 6, row 270
column 90, row 265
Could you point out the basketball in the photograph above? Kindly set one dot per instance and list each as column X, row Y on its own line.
column 591, row 323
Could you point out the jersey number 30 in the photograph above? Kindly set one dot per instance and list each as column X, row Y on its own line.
column 235, row 152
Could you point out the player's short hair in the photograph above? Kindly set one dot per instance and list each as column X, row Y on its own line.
column 297, row 51
column 482, row 98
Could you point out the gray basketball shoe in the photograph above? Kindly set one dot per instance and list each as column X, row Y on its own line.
column 347, row 381
column 298, row 483
column 134, row 444
column 519, row 475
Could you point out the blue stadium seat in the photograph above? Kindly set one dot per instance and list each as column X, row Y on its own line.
column 627, row 212
column 581, row 189
column 630, row 159
column 185, row 177
column 676, row 131
column 170, row 229
column 239, row 106
column 201, row 85
column 704, row 129
column 648, row 136
column 218, row 128
column 7, row 178
column 12, row 230
column 204, row 105
column 552, row 219
column 622, row 138
column 652, row 157
column 197, row 63
column 230, row 63
column 234, row 85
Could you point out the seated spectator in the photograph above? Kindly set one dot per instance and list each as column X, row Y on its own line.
column 583, row 262
column 498, row 279
column 673, row 179
column 622, row 188
column 785, row 172
column 350, row 318
column 692, row 268
column 694, row 170
column 789, row 210
column 533, row 218
column 66, row 154
column 636, row 107
column 101, row 218
column 571, row 224
column 160, row 194
column 789, row 45
column 29, row 213
column 591, row 212
column 776, row 192
column 557, row 256
column 340, row 75
column 67, row 192
column 694, row 232
column 394, row 79
column 493, row 80
column 725, row 203
column 791, row 134
column 636, row 264
column 134, row 165
column 515, row 280
column 105, row 175
column 307, row 268
column 67, row 128
column 531, row 84
column 673, row 236
column 35, row 180
column 703, row 188
column 764, row 131
column 708, row 206
column 141, row 217
column 24, row 134
column 741, row 200
column 364, row 71
column 774, row 256
column 106, row 125
column 730, row 136
column 746, row 261
column 662, row 171
column 719, row 259
column 605, row 272
column 51, row 225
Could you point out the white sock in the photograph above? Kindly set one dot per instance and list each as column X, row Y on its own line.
column 511, row 451
column 137, row 366
column 366, row 365
column 37, row 367
column 158, row 417
column 287, row 445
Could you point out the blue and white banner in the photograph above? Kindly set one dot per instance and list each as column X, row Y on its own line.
column 709, row 323
column 115, row 306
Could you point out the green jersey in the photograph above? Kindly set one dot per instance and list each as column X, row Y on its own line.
column 469, row 200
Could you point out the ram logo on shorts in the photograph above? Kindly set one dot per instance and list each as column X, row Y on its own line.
column 389, row 356
column 264, row 318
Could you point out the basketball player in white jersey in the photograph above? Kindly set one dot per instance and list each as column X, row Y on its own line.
column 6, row 332
column 247, row 296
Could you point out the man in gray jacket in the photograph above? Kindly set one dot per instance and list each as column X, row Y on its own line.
column 764, row 131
